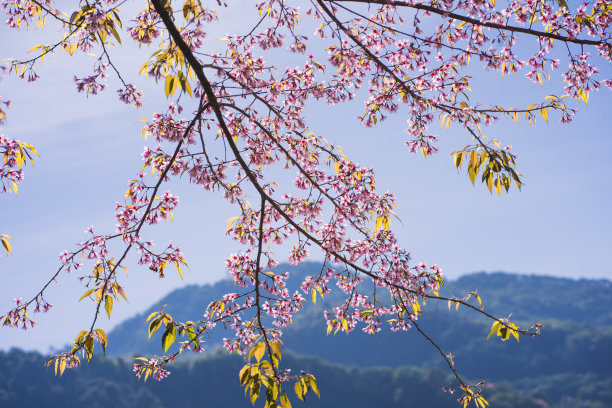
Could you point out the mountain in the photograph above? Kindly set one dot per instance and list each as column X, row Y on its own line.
column 567, row 366
column 213, row 381
column 576, row 315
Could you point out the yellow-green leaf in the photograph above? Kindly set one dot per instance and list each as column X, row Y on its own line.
column 494, row 328
column 178, row 269
column 514, row 330
column 154, row 325
column 89, row 346
column 298, row 390
column 152, row 315
column 378, row 223
column 258, row 351
column 458, row 159
column 168, row 337
column 102, row 338
column 498, row 186
column 108, row 305
column 62, row 366
column 472, row 173
column 114, row 33
column 285, row 401
column 313, row 385
column 171, row 82
column 87, row 293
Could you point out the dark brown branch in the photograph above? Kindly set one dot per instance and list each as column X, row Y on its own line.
column 215, row 105
column 473, row 21
column 446, row 358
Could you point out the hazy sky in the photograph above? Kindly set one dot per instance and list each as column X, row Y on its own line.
column 559, row 224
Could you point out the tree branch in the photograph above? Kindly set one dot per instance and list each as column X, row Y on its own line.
column 473, row 21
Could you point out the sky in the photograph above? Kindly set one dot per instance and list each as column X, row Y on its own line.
column 559, row 224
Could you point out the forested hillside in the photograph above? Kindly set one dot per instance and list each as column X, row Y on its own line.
column 567, row 366
column 577, row 318
column 212, row 381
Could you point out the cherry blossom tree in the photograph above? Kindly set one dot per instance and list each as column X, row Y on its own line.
column 235, row 125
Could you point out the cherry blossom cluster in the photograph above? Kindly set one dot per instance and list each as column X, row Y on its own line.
column 94, row 83
column 18, row 316
column 94, row 248
column 392, row 58
column 10, row 172
column 157, row 261
column 25, row 11
column 165, row 127
column 144, row 31
column 152, row 365
column 69, row 261
column 130, row 95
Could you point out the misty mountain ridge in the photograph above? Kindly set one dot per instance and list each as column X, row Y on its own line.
column 575, row 336
column 567, row 366
column 529, row 298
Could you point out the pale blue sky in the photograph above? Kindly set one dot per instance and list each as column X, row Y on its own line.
column 559, row 224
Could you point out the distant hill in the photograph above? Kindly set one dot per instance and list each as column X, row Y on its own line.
column 212, row 381
column 576, row 338
column 577, row 317
column 565, row 367
column 540, row 298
